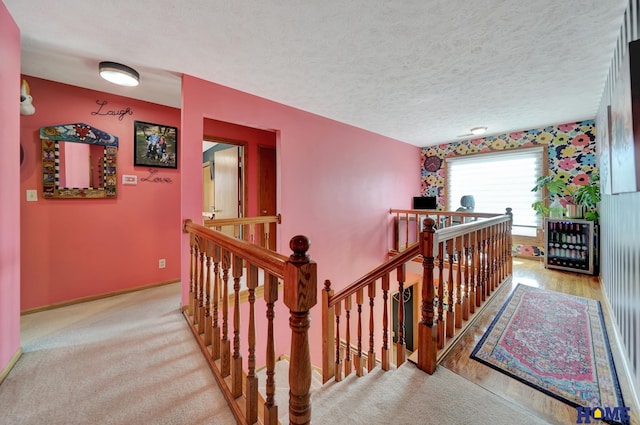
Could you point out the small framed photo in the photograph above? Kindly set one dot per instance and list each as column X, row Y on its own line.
column 155, row 145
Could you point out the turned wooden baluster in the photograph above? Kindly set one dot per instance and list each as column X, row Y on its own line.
column 300, row 295
column 236, row 366
column 509, row 243
column 450, row 300
column 191, row 274
column 458, row 291
column 347, row 354
column 328, row 334
column 337, row 370
column 357, row 359
column 487, row 264
column 494, row 257
column 467, row 288
column 225, row 345
column 496, row 253
column 499, row 275
column 207, row 299
column 270, row 298
column 385, row 323
column 441, row 283
column 396, row 232
column 473, row 294
column 503, row 245
column 478, row 267
column 215, row 334
column 401, row 343
column 371, row 355
column 481, row 262
column 201, row 287
column 417, row 218
column 196, row 302
column 267, row 235
column 498, row 229
column 507, row 246
column 427, row 331
column 406, row 241
column 251, row 410
column 197, row 284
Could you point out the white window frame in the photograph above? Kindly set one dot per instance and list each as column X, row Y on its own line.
column 526, row 222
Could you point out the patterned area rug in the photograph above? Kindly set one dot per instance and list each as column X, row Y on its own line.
column 556, row 343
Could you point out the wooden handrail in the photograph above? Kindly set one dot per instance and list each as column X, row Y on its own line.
column 261, row 257
column 213, row 222
column 448, row 233
column 407, row 223
column 443, row 213
column 375, row 274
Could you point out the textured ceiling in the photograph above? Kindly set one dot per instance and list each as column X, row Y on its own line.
column 420, row 71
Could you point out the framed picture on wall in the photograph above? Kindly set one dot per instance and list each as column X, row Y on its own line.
column 625, row 124
column 155, row 145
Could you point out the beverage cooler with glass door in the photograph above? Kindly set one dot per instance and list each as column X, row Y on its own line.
column 571, row 244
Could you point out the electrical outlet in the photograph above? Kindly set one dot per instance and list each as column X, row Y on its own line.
column 162, row 263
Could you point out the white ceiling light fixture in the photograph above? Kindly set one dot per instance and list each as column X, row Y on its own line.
column 117, row 73
column 476, row 131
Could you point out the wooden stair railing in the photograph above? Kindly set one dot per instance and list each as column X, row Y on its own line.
column 407, row 223
column 482, row 251
column 256, row 230
column 210, row 316
column 462, row 266
column 332, row 305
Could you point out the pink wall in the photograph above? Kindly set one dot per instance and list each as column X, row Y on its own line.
column 126, row 236
column 85, row 247
column 336, row 183
column 9, row 188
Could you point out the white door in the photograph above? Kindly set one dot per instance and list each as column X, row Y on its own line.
column 226, row 187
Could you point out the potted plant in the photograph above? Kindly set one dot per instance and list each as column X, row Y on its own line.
column 576, row 199
column 588, row 196
column 551, row 185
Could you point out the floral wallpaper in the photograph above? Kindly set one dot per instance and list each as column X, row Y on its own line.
column 571, row 148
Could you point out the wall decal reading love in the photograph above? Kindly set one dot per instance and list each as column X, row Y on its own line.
column 152, row 178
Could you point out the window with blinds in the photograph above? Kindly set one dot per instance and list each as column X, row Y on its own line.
column 497, row 181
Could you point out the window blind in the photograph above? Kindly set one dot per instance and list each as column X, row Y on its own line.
column 497, row 181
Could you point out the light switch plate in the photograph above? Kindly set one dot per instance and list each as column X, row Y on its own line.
column 32, row 195
column 129, row 179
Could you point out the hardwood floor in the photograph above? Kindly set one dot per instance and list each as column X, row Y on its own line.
column 533, row 273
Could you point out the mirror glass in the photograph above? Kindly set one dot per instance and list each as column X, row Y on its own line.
column 78, row 161
column 80, row 165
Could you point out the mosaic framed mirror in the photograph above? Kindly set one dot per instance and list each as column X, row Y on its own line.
column 78, row 162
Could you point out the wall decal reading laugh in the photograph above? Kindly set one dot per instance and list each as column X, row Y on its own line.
column 112, row 112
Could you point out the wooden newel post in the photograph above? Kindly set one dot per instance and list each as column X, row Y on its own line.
column 300, row 294
column 427, row 330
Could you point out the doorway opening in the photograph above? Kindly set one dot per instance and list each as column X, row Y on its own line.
column 223, row 191
column 252, row 189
